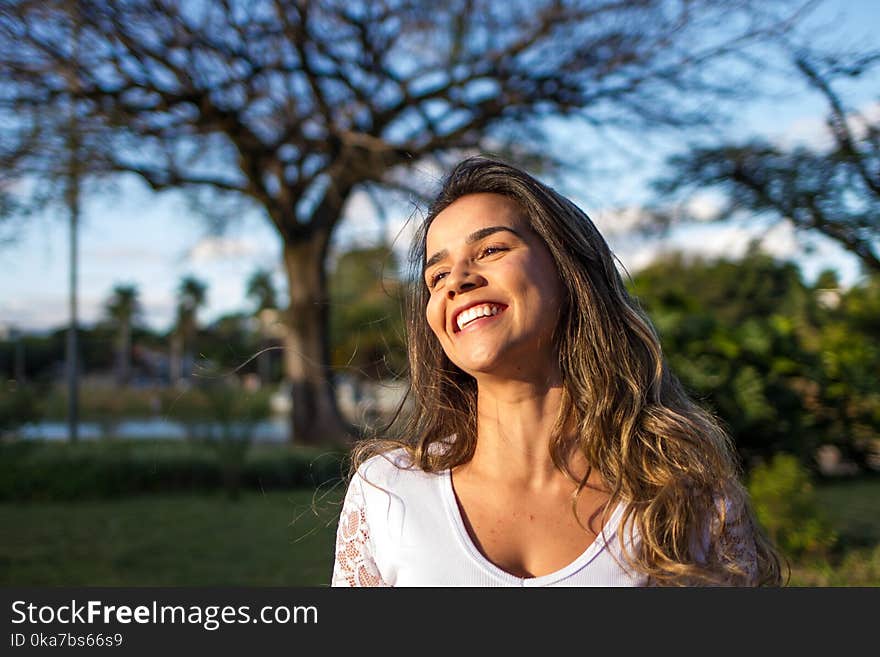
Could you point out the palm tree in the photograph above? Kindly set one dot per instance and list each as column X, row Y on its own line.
column 261, row 289
column 191, row 296
column 122, row 307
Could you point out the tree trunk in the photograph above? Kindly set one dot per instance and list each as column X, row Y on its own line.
column 315, row 417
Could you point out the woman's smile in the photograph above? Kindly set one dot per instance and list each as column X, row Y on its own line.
column 475, row 315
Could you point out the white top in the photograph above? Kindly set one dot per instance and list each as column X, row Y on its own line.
column 403, row 527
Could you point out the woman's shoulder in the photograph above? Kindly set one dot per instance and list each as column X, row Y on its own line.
column 397, row 462
column 390, row 481
column 392, row 470
column 386, row 463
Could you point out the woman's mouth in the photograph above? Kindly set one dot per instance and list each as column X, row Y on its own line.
column 475, row 313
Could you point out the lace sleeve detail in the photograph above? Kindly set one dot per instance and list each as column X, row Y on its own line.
column 736, row 545
column 354, row 564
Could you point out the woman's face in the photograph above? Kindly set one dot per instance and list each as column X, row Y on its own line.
column 494, row 293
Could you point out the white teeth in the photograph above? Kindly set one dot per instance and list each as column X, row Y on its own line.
column 469, row 315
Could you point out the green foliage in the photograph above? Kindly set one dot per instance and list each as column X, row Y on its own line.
column 787, row 508
column 782, row 368
column 859, row 567
column 261, row 290
column 222, row 417
column 43, row 355
column 218, row 410
column 42, row 470
column 105, row 405
column 366, row 318
column 18, row 405
column 229, row 345
column 847, row 398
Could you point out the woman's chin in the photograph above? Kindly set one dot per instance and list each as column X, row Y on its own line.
column 519, row 369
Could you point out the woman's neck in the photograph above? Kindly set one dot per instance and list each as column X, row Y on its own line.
column 515, row 422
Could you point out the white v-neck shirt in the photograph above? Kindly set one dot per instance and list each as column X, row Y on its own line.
column 401, row 526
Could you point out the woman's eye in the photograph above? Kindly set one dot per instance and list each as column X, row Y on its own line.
column 491, row 250
column 436, row 278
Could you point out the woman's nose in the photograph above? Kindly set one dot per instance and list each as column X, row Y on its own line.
column 461, row 279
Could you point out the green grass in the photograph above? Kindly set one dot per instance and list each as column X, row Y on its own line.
column 272, row 539
column 276, row 539
column 852, row 508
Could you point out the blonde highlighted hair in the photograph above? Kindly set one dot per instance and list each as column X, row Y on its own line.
column 662, row 455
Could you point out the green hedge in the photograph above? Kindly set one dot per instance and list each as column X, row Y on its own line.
column 42, row 470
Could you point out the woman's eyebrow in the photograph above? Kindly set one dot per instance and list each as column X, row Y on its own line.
column 476, row 236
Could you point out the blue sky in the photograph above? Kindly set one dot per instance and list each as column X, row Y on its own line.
column 134, row 236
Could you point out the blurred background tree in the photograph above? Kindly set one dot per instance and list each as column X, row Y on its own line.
column 123, row 308
column 845, row 392
column 19, row 405
column 295, row 105
column 366, row 325
column 786, row 367
column 831, row 188
column 261, row 290
column 191, row 295
column 785, row 503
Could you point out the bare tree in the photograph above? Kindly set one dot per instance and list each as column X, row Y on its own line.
column 833, row 190
column 295, row 105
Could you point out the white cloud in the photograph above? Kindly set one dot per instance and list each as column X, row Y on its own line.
column 210, row 249
column 157, row 308
column 782, row 241
column 810, row 132
column 52, row 311
column 704, row 205
column 622, row 220
column 44, row 311
column 730, row 241
column 813, row 132
column 114, row 254
column 619, row 220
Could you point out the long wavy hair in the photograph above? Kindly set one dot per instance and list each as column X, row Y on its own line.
column 667, row 459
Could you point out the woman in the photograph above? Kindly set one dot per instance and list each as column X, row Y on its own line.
column 549, row 444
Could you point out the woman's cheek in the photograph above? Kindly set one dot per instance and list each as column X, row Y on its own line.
column 434, row 316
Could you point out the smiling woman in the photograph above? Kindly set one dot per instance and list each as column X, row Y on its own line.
column 549, row 444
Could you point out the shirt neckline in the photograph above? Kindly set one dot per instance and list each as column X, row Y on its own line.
column 593, row 550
